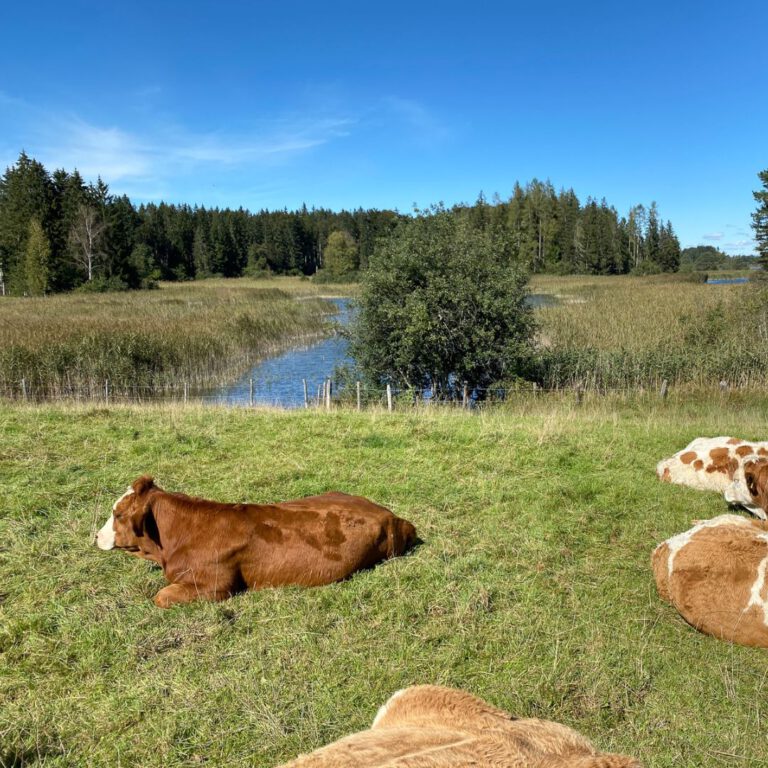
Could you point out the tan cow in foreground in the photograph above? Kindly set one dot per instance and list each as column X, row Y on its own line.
column 716, row 464
column 715, row 575
column 428, row 726
column 209, row 551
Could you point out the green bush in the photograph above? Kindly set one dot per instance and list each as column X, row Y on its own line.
column 441, row 305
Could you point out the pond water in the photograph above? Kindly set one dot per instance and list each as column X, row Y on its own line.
column 727, row 280
column 278, row 380
column 542, row 300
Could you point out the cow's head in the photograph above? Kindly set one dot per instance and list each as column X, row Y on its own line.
column 750, row 486
column 126, row 524
column 756, row 479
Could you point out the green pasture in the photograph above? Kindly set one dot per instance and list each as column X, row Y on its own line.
column 532, row 586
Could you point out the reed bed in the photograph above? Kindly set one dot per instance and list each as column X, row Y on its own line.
column 202, row 333
column 625, row 332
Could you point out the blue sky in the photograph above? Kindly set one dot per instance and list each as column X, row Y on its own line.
column 342, row 104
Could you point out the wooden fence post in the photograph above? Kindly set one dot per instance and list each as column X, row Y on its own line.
column 306, row 394
column 328, row 393
column 389, row 398
column 465, row 396
column 664, row 389
column 357, row 387
column 106, row 391
column 24, row 389
column 186, row 391
column 250, row 392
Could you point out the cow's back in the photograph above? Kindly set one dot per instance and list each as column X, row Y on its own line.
column 708, row 463
column 715, row 576
column 320, row 539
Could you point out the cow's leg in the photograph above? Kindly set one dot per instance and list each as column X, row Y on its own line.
column 186, row 593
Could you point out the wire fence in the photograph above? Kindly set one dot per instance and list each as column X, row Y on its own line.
column 326, row 394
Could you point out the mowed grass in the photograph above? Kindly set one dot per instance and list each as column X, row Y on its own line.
column 629, row 332
column 532, row 587
column 197, row 332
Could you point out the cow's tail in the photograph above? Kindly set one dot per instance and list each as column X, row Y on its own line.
column 402, row 536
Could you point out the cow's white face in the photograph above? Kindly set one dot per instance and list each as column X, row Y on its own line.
column 105, row 538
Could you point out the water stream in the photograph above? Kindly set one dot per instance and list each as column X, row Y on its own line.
column 278, row 380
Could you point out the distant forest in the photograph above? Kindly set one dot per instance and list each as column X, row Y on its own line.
column 58, row 233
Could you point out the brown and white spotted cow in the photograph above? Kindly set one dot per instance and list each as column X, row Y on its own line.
column 713, row 464
column 429, row 726
column 715, row 576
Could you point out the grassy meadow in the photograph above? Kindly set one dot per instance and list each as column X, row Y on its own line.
column 628, row 332
column 532, row 587
column 201, row 332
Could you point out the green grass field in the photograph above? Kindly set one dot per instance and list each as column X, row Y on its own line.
column 532, row 587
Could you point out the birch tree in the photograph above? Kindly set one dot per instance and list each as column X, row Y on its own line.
column 85, row 238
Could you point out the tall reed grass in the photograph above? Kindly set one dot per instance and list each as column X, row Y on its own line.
column 201, row 333
column 625, row 332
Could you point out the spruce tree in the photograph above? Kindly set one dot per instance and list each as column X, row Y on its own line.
column 760, row 219
column 26, row 192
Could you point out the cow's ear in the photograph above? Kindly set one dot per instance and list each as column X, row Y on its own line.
column 144, row 523
column 143, row 484
column 761, row 480
column 138, row 519
column 750, row 475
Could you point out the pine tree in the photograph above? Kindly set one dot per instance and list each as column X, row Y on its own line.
column 26, row 192
column 36, row 257
column 760, row 219
column 669, row 249
column 201, row 253
column 652, row 234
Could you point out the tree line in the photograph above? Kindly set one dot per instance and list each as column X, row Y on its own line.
column 59, row 233
column 760, row 219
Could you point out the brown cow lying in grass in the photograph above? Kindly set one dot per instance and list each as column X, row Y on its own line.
column 716, row 464
column 428, row 726
column 209, row 551
column 715, row 575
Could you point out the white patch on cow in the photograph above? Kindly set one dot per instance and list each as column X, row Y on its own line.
column 676, row 543
column 383, row 709
column 105, row 538
column 755, row 595
column 127, row 493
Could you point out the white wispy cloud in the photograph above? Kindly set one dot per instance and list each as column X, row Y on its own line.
column 144, row 162
column 713, row 236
